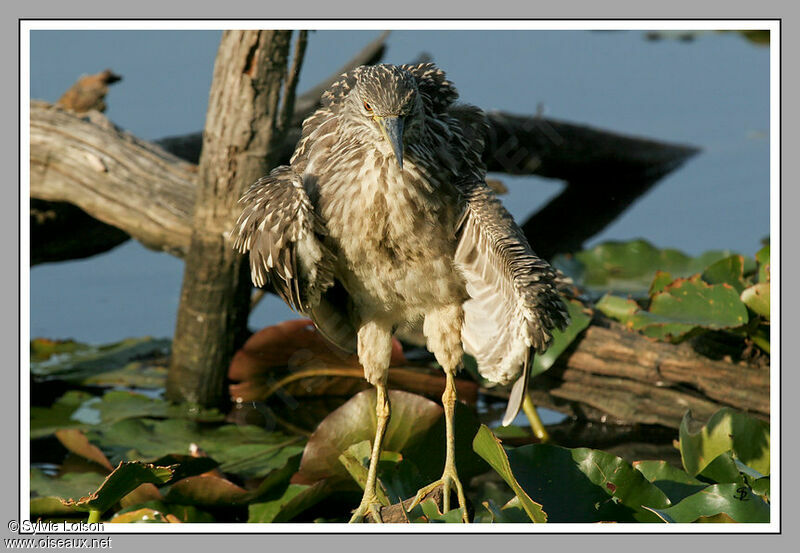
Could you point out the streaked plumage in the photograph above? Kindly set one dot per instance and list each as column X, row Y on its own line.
column 383, row 221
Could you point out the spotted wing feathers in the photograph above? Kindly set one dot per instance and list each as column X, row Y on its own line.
column 514, row 303
column 280, row 229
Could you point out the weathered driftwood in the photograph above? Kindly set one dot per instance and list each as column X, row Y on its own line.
column 113, row 176
column 616, row 375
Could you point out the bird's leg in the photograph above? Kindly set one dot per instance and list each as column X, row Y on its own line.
column 442, row 328
column 369, row 501
column 449, row 479
column 374, row 353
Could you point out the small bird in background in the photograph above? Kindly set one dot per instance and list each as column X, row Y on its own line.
column 383, row 223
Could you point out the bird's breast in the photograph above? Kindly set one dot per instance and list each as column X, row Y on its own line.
column 393, row 232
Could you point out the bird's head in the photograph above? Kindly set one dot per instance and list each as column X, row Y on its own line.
column 385, row 101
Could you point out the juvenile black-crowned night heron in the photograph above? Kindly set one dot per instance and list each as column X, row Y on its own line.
column 383, row 223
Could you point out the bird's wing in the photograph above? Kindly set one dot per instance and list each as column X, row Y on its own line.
column 513, row 303
column 281, row 230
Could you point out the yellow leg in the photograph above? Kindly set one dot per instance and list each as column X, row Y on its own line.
column 537, row 427
column 449, row 477
column 369, row 501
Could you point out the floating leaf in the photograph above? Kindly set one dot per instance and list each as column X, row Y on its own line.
column 734, row 500
column 412, row 416
column 77, row 442
column 206, row 491
column 43, row 349
column 144, row 493
column 726, row 430
column 628, row 268
column 46, row 420
column 432, row 513
column 510, row 512
column 618, row 308
column 729, row 270
column 80, row 410
column 84, row 362
column 574, row 485
column 562, row 339
column 356, row 460
column 756, row 297
column 722, row 470
column 46, row 491
column 674, row 482
column 660, row 281
column 158, row 511
column 141, row 515
column 247, row 451
column 762, row 257
column 689, row 303
column 123, row 480
column 296, row 499
column 490, row 449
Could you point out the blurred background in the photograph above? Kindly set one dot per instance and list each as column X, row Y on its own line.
column 709, row 90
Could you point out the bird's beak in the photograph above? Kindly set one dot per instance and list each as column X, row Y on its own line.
column 392, row 129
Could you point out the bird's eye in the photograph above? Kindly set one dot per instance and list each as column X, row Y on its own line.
column 367, row 106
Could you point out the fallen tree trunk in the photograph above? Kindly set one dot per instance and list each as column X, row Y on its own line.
column 615, row 375
column 113, row 176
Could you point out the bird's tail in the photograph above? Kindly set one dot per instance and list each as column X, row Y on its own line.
column 518, row 391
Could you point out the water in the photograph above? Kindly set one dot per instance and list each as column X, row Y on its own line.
column 712, row 93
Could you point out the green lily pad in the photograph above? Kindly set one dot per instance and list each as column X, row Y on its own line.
column 510, row 512
column 77, row 442
column 674, row 482
column 80, row 410
column 734, row 500
column 689, row 303
column 628, row 268
column 762, row 257
column 158, row 511
column 47, row 491
column 579, row 320
column 79, row 362
column 722, row 470
column 618, row 308
column 727, row 430
column 123, row 480
column 660, row 281
column 43, row 349
column 46, row 420
column 356, row 460
column 679, row 308
column 247, row 451
column 141, row 515
column 729, row 270
column 574, row 485
column 432, row 514
column 206, row 491
column 489, row 447
column 756, row 297
column 295, row 499
column 414, row 421
column 761, row 487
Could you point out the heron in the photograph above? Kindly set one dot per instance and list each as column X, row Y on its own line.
column 383, row 224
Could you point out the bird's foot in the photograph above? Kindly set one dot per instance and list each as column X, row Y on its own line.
column 448, row 481
column 369, row 505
